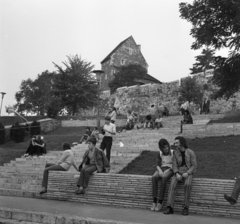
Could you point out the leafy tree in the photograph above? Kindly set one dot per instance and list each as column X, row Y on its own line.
column 204, row 61
column 35, row 95
column 215, row 23
column 127, row 76
column 190, row 91
column 75, row 85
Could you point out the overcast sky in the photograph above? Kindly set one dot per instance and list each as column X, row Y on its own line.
column 35, row 33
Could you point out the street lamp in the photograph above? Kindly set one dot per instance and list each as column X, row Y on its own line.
column 2, row 101
column 98, row 76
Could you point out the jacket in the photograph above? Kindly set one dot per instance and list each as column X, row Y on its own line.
column 190, row 160
column 101, row 161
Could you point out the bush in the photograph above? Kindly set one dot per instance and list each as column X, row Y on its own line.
column 35, row 128
column 2, row 133
column 17, row 132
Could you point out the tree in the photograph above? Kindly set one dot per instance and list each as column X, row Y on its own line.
column 126, row 76
column 204, row 61
column 215, row 23
column 75, row 85
column 35, row 95
column 190, row 91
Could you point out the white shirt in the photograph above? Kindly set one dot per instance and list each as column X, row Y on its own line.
column 67, row 159
column 109, row 127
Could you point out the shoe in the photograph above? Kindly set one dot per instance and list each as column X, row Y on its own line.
column 230, row 199
column 158, row 207
column 80, row 191
column 168, row 211
column 43, row 191
column 153, row 207
column 185, row 211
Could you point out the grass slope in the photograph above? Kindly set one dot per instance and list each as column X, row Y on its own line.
column 217, row 157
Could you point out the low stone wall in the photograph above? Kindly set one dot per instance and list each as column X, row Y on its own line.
column 47, row 125
column 89, row 123
column 211, row 130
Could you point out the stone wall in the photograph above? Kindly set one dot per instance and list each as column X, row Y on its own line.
column 90, row 123
column 201, row 131
column 151, row 98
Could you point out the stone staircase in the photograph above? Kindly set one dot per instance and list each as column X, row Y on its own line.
column 23, row 176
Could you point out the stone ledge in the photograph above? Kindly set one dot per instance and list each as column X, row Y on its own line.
column 20, row 216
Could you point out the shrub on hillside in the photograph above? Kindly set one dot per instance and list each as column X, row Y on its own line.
column 17, row 132
column 35, row 128
column 2, row 133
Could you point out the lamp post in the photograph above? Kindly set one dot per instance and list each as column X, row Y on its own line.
column 98, row 76
column 2, row 101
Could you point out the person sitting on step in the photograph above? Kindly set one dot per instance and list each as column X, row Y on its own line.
column 64, row 164
column 235, row 193
column 184, row 166
column 158, row 122
column 148, row 122
column 129, row 124
column 86, row 135
column 93, row 160
column 164, row 172
column 95, row 133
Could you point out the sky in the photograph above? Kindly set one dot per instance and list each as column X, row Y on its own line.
column 36, row 33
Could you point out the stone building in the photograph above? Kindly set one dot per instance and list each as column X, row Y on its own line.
column 127, row 52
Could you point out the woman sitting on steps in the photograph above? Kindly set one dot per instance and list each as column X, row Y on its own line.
column 64, row 164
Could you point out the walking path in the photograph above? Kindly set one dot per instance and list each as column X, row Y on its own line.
column 106, row 212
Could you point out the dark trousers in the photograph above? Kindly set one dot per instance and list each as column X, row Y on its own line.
column 236, row 189
column 107, row 144
column 187, row 191
column 50, row 166
column 85, row 175
column 164, row 179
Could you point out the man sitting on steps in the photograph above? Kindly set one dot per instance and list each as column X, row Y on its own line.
column 235, row 193
column 184, row 165
column 94, row 159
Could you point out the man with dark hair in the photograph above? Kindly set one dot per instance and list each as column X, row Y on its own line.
column 184, row 165
column 93, row 160
column 109, row 129
column 235, row 193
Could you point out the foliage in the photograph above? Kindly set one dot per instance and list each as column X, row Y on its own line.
column 35, row 128
column 126, row 76
column 35, row 95
column 190, row 91
column 215, row 23
column 17, row 132
column 204, row 61
column 74, row 85
column 2, row 133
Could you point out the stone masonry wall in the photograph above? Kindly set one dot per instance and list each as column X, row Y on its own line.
column 201, row 131
column 151, row 98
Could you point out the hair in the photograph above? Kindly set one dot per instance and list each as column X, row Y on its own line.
column 66, row 146
column 182, row 141
column 96, row 128
column 115, row 109
column 92, row 140
column 162, row 142
column 129, row 111
column 88, row 128
column 108, row 118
